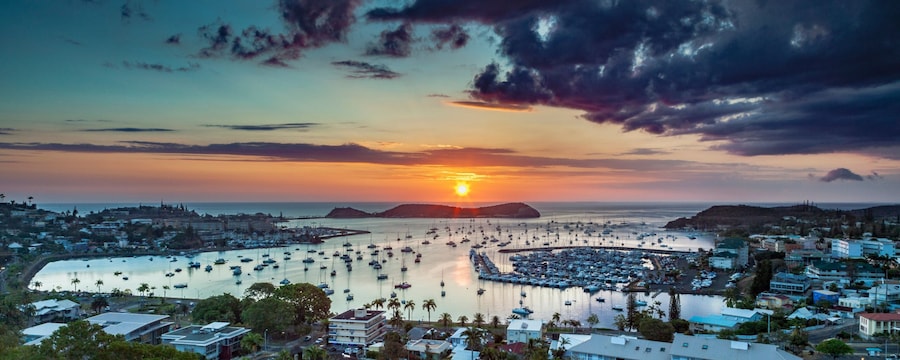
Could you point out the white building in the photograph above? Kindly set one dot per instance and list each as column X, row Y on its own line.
column 686, row 347
column 847, row 248
column 35, row 334
column 884, row 293
column 871, row 324
column 143, row 328
column 47, row 310
column 521, row 330
column 789, row 283
column 357, row 327
column 214, row 341
column 428, row 349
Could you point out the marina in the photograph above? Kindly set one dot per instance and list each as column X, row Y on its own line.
column 512, row 274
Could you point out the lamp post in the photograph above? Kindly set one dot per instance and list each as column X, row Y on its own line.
column 266, row 340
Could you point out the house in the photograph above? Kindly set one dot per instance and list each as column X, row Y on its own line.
column 213, row 341
column 884, row 293
column 723, row 260
column 712, row 323
column 825, row 295
column 686, row 347
column 357, row 327
column 848, row 248
column 35, row 334
column 605, row 347
column 773, row 301
column 522, row 330
column 871, row 324
column 47, row 310
column 142, row 328
column 735, row 246
column 783, row 282
column 457, row 338
column 428, row 349
column 741, row 315
column 843, row 272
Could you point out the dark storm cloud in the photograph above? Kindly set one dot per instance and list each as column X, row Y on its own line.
column 308, row 23
column 160, row 67
column 174, row 39
column 354, row 153
column 840, row 174
column 270, row 127
column 129, row 130
column 756, row 77
column 364, row 70
column 491, row 106
column 6, row 131
column 454, row 36
column 394, row 43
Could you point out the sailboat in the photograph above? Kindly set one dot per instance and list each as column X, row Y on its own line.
column 285, row 281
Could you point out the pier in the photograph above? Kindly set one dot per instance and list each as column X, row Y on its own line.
column 604, row 247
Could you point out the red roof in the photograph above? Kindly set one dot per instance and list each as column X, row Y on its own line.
column 881, row 316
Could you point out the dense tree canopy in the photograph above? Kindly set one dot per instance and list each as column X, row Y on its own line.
column 656, row 329
column 310, row 303
column 269, row 313
column 834, row 348
column 223, row 307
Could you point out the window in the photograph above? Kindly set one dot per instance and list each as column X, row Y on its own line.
column 662, row 349
column 705, row 347
column 684, row 345
column 648, row 350
column 637, row 348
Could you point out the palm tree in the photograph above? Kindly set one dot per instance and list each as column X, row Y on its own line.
column 428, row 306
column 474, row 337
column 462, row 320
column 75, row 282
column 446, row 319
column 410, row 306
column 98, row 283
column 315, row 353
column 396, row 321
column 143, row 288
column 495, row 322
column 393, row 304
column 478, row 320
column 555, row 319
column 593, row 320
column 251, row 342
column 99, row 304
column 165, row 289
column 37, row 285
column 378, row 303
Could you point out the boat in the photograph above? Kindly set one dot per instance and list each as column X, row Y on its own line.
column 349, row 297
column 258, row 267
column 443, row 293
column 177, row 269
column 236, row 271
column 480, row 291
column 309, row 260
column 208, row 268
column 180, row 286
column 640, row 303
column 238, row 282
column 246, row 259
column 600, row 300
column 382, row 276
column 333, row 272
column 403, row 285
column 285, row 281
column 219, row 261
column 522, row 311
column 328, row 291
column 124, row 278
column 567, row 303
column 117, row 273
column 617, row 307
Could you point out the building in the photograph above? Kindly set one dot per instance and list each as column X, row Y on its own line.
column 741, row 315
column 774, row 301
column 357, row 327
column 685, row 347
column 847, row 248
column 142, row 328
column 604, row 347
column 428, row 349
column 735, row 246
column 712, row 323
column 522, row 330
column 214, row 341
column 844, row 273
column 48, row 310
column 35, row 334
column 783, row 282
column 723, row 260
column 884, row 293
column 825, row 295
column 871, row 324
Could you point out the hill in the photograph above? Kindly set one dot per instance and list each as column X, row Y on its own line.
column 803, row 216
column 508, row 210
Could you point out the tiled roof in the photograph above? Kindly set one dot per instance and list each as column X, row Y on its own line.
column 881, row 316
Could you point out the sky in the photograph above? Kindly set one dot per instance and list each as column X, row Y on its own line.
column 388, row 100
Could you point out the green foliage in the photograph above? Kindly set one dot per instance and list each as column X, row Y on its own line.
column 310, row 303
column 260, row 290
column 223, row 307
column 656, row 329
column 762, row 278
column 393, row 347
column 681, row 326
column 726, row 334
column 315, row 353
column 674, row 304
column 834, row 347
column 251, row 342
column 269, row 313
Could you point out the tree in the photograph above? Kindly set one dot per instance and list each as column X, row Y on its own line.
column 99, row 304
column 77, row 340
column 762, row 278
column 378, row 303
column 315, row 353
column 75, row 283
column 98, row 283
column 396, row 321
column 251, row 342
column 674, row 304
column 495, row 322
column 393, row 304
column 429, row 305
column 536, row 350
column 143, row 288
column 554, row 320
column 410, row 306
column 165, row 290
column 474, row 338
column 310, row 302
column 393, row 348
column 798, row 338
column 561, row 348
column 621, row 322
column 478, row 320
column 593, row 320
column 656, row 329
column 834, row 347
column 732, row 296
column 631, row 312
column 223, row 307
column 446, row 319
column 269, row 313
column 259, row 290
column 462, row 320
column 37, row 285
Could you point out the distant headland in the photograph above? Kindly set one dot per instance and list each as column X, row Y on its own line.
column 508, row 210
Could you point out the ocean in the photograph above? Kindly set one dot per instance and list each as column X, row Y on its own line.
column 440, row 263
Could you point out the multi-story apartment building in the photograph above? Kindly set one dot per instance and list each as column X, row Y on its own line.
column 213, row 341
column 357, row 327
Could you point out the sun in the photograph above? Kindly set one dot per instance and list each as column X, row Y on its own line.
column 462, row 189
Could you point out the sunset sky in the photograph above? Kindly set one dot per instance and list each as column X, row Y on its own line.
column 346, row 100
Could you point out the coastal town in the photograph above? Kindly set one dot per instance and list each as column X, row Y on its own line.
column 785, row 294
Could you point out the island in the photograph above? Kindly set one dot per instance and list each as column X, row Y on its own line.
column 508, row 210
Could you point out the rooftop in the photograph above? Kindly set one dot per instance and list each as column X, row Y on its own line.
column 732, row 243
column 522, row 324
column 881, row 316
column 358, row 314
column 117, row 323
column 711, row 348
column 623, row 347
column 714, row 320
